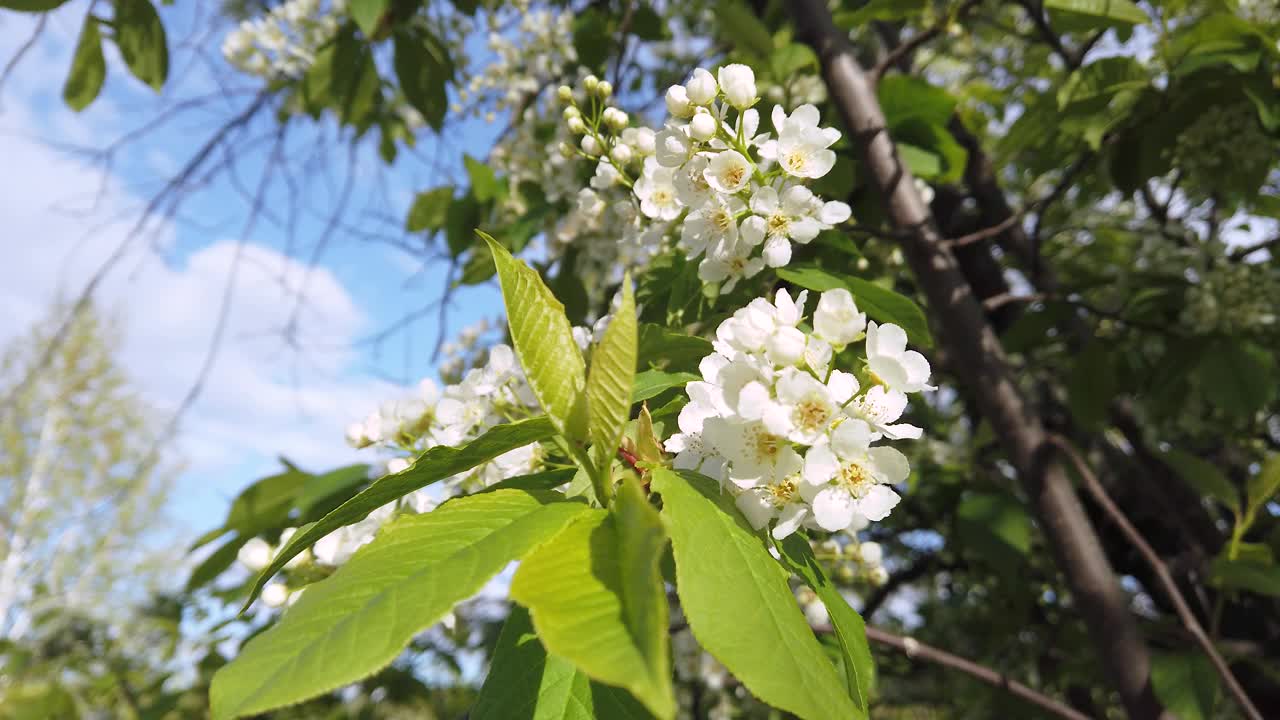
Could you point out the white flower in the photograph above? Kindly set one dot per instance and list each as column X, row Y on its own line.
column 739, row 85
column 728, row 262
column 703, row 126
column 711, row 225
column 848, row 478
column 691, row 182
column 275, row 595
column 728, row 172
column 837, row 319
column 755, row 455
column 692, row 452
column 606, row 175
column 255, row 554
column 656, row 191
column 895, row 366
column 356, row 436
column 781, row 500
column 640, row 139
column 880, row 408
column 621, row 153
column 672, row 147
column 397, row 465
column 806, row 407
column 701, row 87
column 678, row 103
column 801, row 148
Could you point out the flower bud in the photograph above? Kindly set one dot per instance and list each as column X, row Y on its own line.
column 567, row 150
column 590, row 83
column 572, row 112
column 621, row 154
column 702, row 87
column 615, row 118
column 678, row 102
column 604, row 89
column 591, row 146
column 576, row 126
column 702, row 127
column 565, row 93
column 739, row 85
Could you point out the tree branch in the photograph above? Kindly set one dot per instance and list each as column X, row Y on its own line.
column 1165, row 579
column 979, row 361
column 916, row 650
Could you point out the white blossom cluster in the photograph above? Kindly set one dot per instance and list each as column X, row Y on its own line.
column 485, row 396
column 727, row 194
column 1225, row 145
column 605, row 224
column 524, row 59
column 283, row 43
column 1233, row 298
column 738, row 189
column 795, row 440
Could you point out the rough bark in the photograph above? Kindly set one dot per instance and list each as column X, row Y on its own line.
column 978, row 361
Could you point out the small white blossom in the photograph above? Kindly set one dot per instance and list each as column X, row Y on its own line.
column 702, row 88
column 891, row 362
column 739, row 85
column 836, row 319
column 728, row 172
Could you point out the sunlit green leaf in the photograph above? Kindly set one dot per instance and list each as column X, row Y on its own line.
column 739, row 606
column 141, row 38
column 88, row 67
column 357, row 620
column 432, row 466
column 597, row 598
column 609, row 385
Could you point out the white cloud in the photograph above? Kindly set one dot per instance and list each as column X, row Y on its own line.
column 262, row 398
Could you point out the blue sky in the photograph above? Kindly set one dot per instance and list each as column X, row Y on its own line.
column 63, row 210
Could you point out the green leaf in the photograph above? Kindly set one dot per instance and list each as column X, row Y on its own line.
column 265, row 505
column 596, row 596
column 1186, row 684
column 32, row 6
column 484, row 183
column 739, row 605
column 217, row 562
column 880, row 10
column 676, row 351
column 1102, row 13
column 357, row 620
column 367, row 13
column 791, row 59
column 921, row 162
column 1102, row 79
column 88, row 67
column 1216, row 40
column 433, row 465
column 1251, row 575
column 609, row 386
column 592, row 39
column 423, row 68
column 1264, row 485
column 544, row 343
column 545, row 480
column 905, row 97
column 652, row 383
column 1236, row 379
column 880, row 304
column 317, row 489
column 996, row 527
column 140, row 36
column 1203, row 477
column 740, row 25
column 1091, row 385
column 460, row 224
column 525, row 682
column 850, row 631
column 429, row 209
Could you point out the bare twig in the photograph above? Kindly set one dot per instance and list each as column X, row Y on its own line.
column 1163, row 576
column 904, row 50
column 157, row 202
column 916, row 650
column 21, row 53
